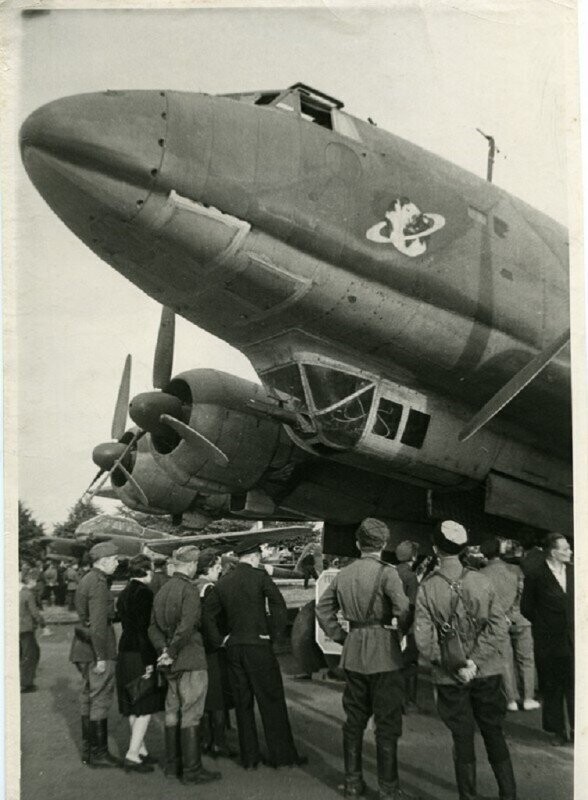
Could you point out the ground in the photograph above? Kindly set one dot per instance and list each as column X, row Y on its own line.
column 51, row 767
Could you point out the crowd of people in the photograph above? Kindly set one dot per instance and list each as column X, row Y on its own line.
column 481, row 624
column 196, row 644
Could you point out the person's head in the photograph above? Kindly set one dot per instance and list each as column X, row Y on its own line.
column 159, row 563
column 249, row 554
column 29, row 577
column 209, row 564
column 104, row 556
column 185, row 560
column 140, row 568
column 449, row 538
column 557, row 548
column 406, row 552
column 490, row 548
column 372, row 535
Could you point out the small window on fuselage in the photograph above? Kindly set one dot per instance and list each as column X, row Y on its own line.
column 416, row 428
column 387, row 419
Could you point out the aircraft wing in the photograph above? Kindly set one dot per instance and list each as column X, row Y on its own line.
column 265, row 535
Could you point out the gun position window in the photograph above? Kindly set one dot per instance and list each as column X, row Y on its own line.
column 416, row 428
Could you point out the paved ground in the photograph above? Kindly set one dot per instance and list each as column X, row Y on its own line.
column 51, row 769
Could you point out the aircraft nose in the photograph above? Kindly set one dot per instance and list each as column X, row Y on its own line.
column 108, row 146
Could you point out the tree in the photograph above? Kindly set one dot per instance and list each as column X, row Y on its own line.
column 82, row 511
column 29, row 534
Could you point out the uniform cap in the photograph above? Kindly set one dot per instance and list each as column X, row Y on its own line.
column 450, row 537
column 103, row 550
column 405, row 551
column 246, row 546
column 185, row 555
column 372, row 534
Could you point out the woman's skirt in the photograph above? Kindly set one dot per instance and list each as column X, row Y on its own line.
column 129, row 666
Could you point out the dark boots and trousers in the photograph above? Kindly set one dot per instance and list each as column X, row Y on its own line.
column 175, row 634
column 474, row 695
column 241, row 597
column 93, row 651
column 370, row 595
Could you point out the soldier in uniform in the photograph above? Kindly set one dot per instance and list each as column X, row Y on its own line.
column 93, row 651
column 254, row 672
column 175, row 634
column 369, row 594
column 465, row 599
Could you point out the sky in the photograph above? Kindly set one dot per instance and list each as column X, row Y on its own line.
column 431, row 73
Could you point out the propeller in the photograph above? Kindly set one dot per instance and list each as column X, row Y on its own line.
column 162, row 413
column 110, row 456
column 118, row 465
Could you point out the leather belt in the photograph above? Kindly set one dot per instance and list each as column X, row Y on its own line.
column 355, row 624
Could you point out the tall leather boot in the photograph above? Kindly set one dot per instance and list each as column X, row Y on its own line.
column 85, row 740
column 219, row 747
column 354, row 785
column 172, row 763
column 193, row 771
column 465, row 774
column 99, row 755
column 388, row 783
column 503, row 772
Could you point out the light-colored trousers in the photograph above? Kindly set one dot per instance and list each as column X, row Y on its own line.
column 185, row 698
column 519, row 665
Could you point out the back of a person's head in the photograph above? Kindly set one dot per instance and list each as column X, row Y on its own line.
column 490, row 548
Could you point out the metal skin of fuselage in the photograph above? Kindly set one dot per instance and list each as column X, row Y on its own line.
column 252, row 222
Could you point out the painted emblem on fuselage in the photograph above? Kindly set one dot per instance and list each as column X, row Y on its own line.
column 406, row 227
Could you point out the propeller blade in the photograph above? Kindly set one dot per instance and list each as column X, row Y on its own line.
column 122, row 402
column 94, row 479
column 164, row 350
column 135, row 485
column 196, row 440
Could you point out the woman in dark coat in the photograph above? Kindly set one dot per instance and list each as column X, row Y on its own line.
column 218, row 696
column 136, row 658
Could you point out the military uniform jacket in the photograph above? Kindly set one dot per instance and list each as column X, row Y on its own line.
column 175, row 624
column 254, row 609
column 434, row 600
column 95, row 607
column 373, row 648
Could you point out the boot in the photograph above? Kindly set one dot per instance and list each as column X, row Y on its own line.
column 172, row 767
column 193, row 771
column 85, row 740
column 465, row 774
column 388, row 783
column 99, row 755
column 219, row 747
column 505, row 779
column 354, row 785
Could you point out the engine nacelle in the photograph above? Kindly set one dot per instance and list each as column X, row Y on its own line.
column 218, row 406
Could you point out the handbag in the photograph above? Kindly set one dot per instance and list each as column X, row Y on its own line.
column 142, row 687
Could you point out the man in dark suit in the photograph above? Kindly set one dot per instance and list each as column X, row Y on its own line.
column 242, row 595
column 548, row 603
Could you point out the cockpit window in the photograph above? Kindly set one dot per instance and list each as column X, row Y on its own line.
column 331, row 386
column 343, row 402
column 266, row 98
column 287, row 380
